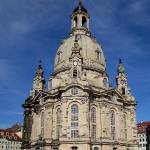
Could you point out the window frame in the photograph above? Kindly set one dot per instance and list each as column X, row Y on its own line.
column 58, row 122
column 113, row 124
column 93, row 123
column 74, row 121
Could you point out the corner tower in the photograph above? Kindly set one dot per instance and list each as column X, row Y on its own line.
column 121, row 79
column 39, row 81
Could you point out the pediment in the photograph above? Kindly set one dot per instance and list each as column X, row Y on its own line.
column 41, row 95
column 113, row 92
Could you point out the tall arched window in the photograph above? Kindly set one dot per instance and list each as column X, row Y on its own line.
column 113, row 132
column 93, row 125
column 97, row 55
column 50, row 84
column 125, row 124
column 74, row 91
column 75, row 73
column 123, row 91
column 59, row 56
column 84, row 22
column 58, row 123
column 93, row 115
column 105, row 82
column 75, row 22
column 74, row 121
column 42, row 124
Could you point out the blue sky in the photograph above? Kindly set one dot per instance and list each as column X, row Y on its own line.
column 32, row 30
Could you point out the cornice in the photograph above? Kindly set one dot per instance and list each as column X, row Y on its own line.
column 56, row 93
column 84, row 66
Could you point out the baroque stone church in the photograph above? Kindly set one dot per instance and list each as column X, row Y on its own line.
column 80, row 110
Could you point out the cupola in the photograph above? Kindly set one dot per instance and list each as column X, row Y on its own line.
column 80, row 20
column 121, row 79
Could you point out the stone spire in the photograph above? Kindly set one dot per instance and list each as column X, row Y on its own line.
column 121, row 68
column 80, row 20
column 122, row 83
column 39, row 81
column 121, row 79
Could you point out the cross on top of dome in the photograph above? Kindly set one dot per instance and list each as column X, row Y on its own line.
column 121, row 68
column 80, row 7
column 39, row 71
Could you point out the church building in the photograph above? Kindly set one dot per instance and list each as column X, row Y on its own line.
column 80, row 110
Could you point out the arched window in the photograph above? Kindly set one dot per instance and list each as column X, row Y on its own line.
column 125, row 124
column 58, row 123
column 98, row 54
column 124, row 118
column 112, row 117
column 50, row 84
column 123, row 91
column 93, row 115
column 105, row 82
column 58, row 56
column 96, row 148
column 74, row 121
column 74, row 91
column 75, row 22
column 75, row 73
column 42, row 124
column 113, row 132
column 58, row 116
column 93, row 125
column 74, row 148
column 84, row 22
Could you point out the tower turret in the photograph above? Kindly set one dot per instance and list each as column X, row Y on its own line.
column 39, row 81
column 80, row 20
column 122, row 82
column 121, row 79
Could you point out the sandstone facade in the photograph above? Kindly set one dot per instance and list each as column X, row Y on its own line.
column 80, row 110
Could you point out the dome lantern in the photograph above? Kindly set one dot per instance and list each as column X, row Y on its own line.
column 80, row 20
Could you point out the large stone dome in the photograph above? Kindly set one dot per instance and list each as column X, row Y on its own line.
column 91, row 52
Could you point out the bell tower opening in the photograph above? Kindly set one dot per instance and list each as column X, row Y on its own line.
column 80, row 20
column 123, row 91
column 84, row 22
column 75, row 22
column 75, row 73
